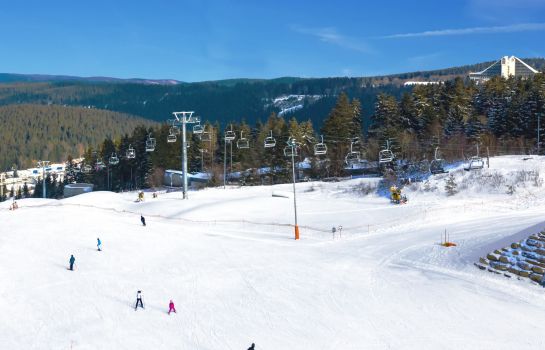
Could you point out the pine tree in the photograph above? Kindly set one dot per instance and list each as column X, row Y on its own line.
column 451, row 186
column 341, row 127
column 26, row 192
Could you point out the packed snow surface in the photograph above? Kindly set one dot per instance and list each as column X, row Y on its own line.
column 228, row 260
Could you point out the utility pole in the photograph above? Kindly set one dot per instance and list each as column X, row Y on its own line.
column 2, row 182
column 538, row 132
column 182, row 119
column 43, row 164
column 202, row 159
column 293, row 145
column 224, row 161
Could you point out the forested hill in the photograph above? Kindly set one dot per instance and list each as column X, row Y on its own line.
column 33, row 132
column 224, row 101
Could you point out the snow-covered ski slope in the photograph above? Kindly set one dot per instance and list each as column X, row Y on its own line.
column 229, row 262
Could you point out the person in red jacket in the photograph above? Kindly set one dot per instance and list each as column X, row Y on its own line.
column 171, row 307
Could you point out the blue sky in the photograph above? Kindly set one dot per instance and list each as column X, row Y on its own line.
column 219, row 39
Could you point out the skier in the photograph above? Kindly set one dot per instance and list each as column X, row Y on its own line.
column 171, row 307
column 252, row 347
column 143, row 220
column 99, row 244
column 139, row 300
column 72, row 261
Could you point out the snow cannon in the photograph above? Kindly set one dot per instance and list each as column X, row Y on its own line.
column 395, row 195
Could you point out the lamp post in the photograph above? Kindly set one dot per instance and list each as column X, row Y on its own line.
column 538, row 132
column 224, row 161
column 43, row 164
column 293, row 145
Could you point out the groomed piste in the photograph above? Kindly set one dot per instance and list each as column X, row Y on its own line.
column 228, row 260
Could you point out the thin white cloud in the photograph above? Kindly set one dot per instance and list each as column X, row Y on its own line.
column 330, row 35
column 513, row 28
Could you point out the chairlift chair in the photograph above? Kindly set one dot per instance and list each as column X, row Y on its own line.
column 205, row 136
column 474, row 163
column 171, row 136
column 437, row 165
column 150, row 144
column 114, row 160
column 352, row 157
column 385, row 156
column 320, row 148
column 198, row 129
column 131, row 153
column 99, row 165
column 243, row 142
column 270, row 141
column 230, row 135
column 290, row 151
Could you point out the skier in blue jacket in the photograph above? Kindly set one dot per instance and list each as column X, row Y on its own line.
column 72, row 261
column 99, row 244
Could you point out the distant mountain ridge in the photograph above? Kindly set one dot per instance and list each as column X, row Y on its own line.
column 28, row 78
column 436, row 74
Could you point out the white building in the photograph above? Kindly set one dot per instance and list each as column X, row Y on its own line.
column 505, row 67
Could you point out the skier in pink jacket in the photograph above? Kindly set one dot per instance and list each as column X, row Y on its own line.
column 171, row 307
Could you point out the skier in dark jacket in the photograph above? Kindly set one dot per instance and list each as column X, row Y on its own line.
column 139, row 300
column 72, row 261
column 143, row 220
column 252, row 347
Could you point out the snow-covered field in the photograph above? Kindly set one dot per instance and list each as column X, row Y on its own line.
column 228, row 260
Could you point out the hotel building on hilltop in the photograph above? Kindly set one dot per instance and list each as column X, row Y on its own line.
column 505, row 67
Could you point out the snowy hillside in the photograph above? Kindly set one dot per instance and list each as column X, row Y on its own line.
column 228, row 260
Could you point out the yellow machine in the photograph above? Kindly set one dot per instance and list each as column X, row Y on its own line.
column 395, row 195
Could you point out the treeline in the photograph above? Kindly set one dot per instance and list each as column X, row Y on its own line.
column 207, row 151
column 459, row 117
column 33, row 132
column 221, row 101
column 501, row 115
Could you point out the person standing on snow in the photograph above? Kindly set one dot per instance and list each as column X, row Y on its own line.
column 72, row 261
column 171, row 307
column 99, row 244
column 252, row 347
column 139, row 300
column 143, row 220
